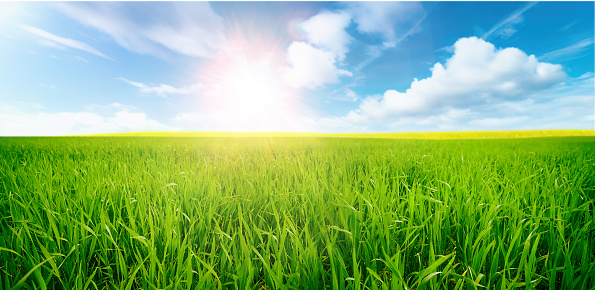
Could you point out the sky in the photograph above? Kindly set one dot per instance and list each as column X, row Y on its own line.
column 105, row 67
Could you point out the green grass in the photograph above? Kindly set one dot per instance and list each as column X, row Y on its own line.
column 306, row 213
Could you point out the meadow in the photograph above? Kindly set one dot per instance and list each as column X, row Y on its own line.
column 296, row 213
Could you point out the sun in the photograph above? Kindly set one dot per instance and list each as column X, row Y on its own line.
column 246, row 91
column 251, row 85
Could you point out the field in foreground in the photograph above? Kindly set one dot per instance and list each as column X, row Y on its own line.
column 308, row 213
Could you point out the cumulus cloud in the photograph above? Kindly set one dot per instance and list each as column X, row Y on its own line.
column 327, row 30
column 311, row 67
column 164, row 90
column 18, row 123
column 477, row 75
column 394, row 21
column 52, row 40
column 156, row 28
column 314, row 63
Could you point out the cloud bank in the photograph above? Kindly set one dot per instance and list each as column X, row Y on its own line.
column 477, row 74
column 15, row 122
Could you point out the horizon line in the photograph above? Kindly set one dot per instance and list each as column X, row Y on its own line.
column 467, row 134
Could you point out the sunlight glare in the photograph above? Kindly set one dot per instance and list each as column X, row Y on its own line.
column 252, row 87
column 248, row 91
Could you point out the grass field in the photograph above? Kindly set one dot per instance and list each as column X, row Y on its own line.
column 306, row 213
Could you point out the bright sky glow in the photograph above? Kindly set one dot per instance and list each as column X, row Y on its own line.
column 100, row 67
column 246, row 89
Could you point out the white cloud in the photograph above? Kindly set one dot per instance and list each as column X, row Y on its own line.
column 572, row 49
column 111, row 106
column 567, row 110
column 19, row 123
column 393, row 20
column 343, row 94
column 567, row 26
column 51, row 44
column 135, row 122
column 157, row 28
column 372, row 53
column 327, row 30
column 505, row 27
column 351, row 123
column 314, row 63
column 506, row 32
column 164, row 90
column 477, row 75
column 504, row 122
column 238, row 120
column 53, row 40
column 80, row 59
column 449, row 120
column 311, row 67
column 347, row 95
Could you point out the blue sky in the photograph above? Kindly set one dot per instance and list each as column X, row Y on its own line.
column 98, row 67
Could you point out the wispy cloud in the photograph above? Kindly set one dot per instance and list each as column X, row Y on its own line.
column 505, row 28
column 568, row 26
column 164, row 90
column 575, row 48
column 393, row 21
column 80, row 58
column 58, row 40
column 372, row 53
column 344, row 94
column 111, row 106
column 156, row 28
